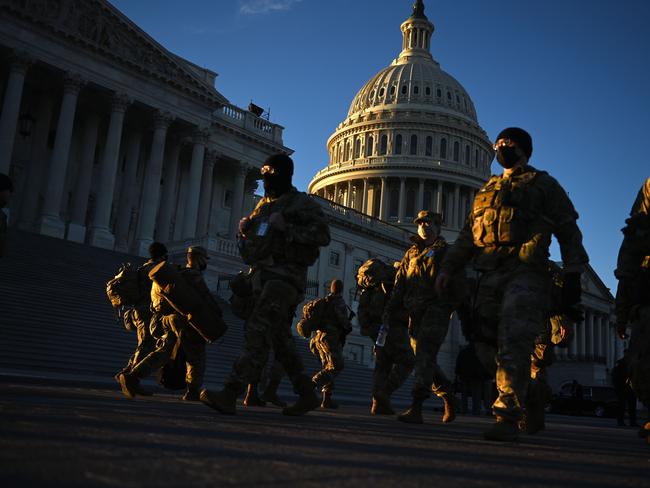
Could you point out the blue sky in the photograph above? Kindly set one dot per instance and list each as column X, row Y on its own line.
column 574, row 73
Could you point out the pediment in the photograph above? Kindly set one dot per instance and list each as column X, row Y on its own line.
column 99, row 26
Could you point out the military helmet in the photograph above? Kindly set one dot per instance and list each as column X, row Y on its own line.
column 198, row 251
column 434, row 218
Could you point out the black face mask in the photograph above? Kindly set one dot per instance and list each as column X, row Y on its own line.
column 276, row 185
column 507, row 156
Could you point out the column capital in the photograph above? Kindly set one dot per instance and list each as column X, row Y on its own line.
column 162, row 119
column 211, row 156
column 73, row 83
column 200, row 135
column 20, row 61
column 120, row 102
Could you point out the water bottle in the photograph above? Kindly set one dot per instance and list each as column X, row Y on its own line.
column 381, row 337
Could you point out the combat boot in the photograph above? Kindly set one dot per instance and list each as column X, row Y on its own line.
column 224, row 401
column 451, row 404
column 270, row 394
column 252, row 399
column 381, row 405
column 130, row 385
column 414, row 413
column 503, row 431
column 328, row 402
column 308, row 400
column 191, row 395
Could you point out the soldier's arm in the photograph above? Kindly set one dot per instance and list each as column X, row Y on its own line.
column 396, row 299
column 460, row 252
column 562, row 216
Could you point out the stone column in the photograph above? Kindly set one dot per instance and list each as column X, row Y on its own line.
column 456, row 206
column 574, row 341
column 420, row 196
column 401, row 208
column 596, row 336
column 38, row 162
column 199, row 140
column 439, row 202
column 237, row 199
column 206, row 194
column 348, row 198
column 151, row 184
column 216, row 204
column 50, row 222
column 383, row 199
column 168, row 190
column 77, row 225
column 129, row 189
column 583, row 334
column 100, row 234
column 19, row 63
column 336, row 193
column 364, row 197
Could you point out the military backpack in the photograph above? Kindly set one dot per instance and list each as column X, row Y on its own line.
column 373, row 273
column 124, row 289
column 313, row 316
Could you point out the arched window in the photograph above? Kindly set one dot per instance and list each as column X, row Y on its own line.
column 456, row 151
column 383, row 146
column 381, row 93
column 427, row 90
column 439, row 93
column 357, row 148
column 449, row 96
column 476, row 158
column 416, row 89
column 467, row 155
column 404, row 89
column 340, row 159
column 370, row 143
column 346, row 152
column 429, row 146
column 414, row 145
column 392, row 90
column 398, row 144
column 443, row 148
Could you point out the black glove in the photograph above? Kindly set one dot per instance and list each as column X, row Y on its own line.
column 571, row 290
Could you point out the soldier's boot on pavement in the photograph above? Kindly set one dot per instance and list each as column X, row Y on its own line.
column 503, row 431
column 451, row 405
column 270, row 394
column 130, row 385
column 224, row 401
column 381, row 404
column 307, row 401
column 252, row 398
column 413, row 415
column 328, row 401
column 192, row 394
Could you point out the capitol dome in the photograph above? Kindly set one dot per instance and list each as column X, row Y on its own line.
column 411, row 140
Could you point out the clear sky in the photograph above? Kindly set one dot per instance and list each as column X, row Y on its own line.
column 574, row 73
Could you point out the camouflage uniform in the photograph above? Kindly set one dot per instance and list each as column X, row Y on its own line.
column 328, row 342
column 428, row 314
column 395, row 360
column 279, row 263
column 508, row 234
column 174, row 332
column 633, row 293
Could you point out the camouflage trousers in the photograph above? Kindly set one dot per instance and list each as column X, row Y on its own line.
column 639, row 355
column 327, row 346
column 428, row 329
column 394, row 362
column 178, row 333
column 140, row 318
column 511, row 308
column 269, row 327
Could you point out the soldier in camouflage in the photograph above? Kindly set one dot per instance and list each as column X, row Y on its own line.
column 177, row 334
column 507, row 236
column 395, row 360
column 428, row 314
column 279, row 240
column 328, row 343
column 633, row 296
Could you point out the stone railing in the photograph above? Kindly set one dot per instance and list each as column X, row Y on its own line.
column 217, row 245
column 249, row 121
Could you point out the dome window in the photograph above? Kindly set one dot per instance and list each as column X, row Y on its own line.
column 392, row 90
column 404, row 90
column 439, row 93
column 383, row 146
column 476, row 158
column 372, row 94
column 398, row 144
column 448, row 95
column 381, row 92
column 467, row 155
column 427, row 91
column 414, row 145
column 456, row 151
column 428, row 146
column 416, row 89
column 457, row 99
column 443, row 148
column 357, row 148
column 369, row 146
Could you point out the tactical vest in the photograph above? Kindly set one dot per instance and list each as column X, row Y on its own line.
column 501, row 212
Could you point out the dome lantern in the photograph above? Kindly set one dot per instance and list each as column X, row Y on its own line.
column 416, row 32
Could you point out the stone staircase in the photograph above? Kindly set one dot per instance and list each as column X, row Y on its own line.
column 55, row 320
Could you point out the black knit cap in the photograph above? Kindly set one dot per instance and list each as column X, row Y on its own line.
column 281, row 162
column 6, row 183
column 520, row 136
column 157, row 250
